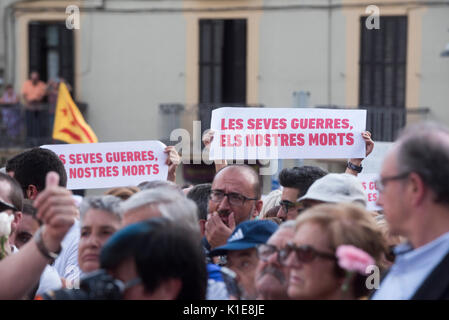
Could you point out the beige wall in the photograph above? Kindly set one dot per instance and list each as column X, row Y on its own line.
column 126, row 64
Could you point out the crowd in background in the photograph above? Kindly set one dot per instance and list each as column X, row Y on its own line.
column 312, row 239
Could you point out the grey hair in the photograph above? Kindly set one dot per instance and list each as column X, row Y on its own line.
column 171, row 205
column 159, row 184
column 110, row 204
column 424, row 149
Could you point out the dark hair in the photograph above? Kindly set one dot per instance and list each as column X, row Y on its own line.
column 251, row 171
column 200, row 195
column 161, row 250
column 16, row 195
column 424, row 149
column 11, row 164
column 300, row 178
column 32, row 166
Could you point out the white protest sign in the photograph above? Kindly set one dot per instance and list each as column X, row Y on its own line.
column 287, row 133
column 111, row 164
column 372, row 194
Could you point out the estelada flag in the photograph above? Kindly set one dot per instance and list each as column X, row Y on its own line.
column 69, row 122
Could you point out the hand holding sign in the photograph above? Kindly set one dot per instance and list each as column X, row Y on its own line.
column 287, row 133
column 172, row 162
column 114, row 164
column 56, row 209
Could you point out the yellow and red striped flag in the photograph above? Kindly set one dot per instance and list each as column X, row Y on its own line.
column 69, row 124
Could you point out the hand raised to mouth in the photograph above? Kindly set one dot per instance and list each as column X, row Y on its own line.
column 217, row 230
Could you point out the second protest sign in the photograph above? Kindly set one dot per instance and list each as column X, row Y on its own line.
column 111, row 164
column 287, row 133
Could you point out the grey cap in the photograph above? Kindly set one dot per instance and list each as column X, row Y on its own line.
column 336, row 188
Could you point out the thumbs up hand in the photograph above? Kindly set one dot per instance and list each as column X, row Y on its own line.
column 57, row 210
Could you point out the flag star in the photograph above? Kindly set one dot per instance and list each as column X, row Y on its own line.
column 73, row 123
column 65, row 112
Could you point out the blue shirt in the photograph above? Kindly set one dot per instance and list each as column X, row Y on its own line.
column 411, row 268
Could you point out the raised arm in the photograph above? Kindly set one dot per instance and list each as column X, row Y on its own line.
column 207, row 140
column 21, row 271
column 357, row 162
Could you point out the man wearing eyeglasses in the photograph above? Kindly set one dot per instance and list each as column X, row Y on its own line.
column 414, row 193
column 271, row 275
column 241, row 253
column 295, row 182
column 234, row 198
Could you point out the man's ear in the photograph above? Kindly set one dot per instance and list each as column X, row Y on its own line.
column 31, row 192
column 17, row 217
column 417, row 188
column 257, row 208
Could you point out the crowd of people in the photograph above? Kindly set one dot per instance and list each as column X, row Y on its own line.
column 313, row 239
column 36, row 105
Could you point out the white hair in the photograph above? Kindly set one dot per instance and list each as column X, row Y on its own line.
column 109, row 204
column 171, row 205
column 270, row 201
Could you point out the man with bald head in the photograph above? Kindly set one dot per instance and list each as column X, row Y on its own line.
column 414, row 193
column 235, row 198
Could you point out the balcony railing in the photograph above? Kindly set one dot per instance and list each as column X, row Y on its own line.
column 13, row 126
column 384, row 123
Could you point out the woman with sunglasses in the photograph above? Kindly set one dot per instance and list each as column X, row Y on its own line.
column 311, row 255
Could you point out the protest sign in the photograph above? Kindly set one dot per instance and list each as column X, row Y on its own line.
column 111, row 164
column 287, row 133
column 372, row 194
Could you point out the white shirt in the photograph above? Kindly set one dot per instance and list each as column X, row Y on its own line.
column 50, row 280
column 66, row 264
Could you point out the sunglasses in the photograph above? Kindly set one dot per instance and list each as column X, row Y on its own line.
column 304, row 254
column 287, row 205
column 264, row 251
column 7, row 206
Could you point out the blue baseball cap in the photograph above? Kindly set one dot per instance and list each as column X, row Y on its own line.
column 247, row 235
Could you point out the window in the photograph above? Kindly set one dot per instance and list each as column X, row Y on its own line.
column 51, row 50
column 222, row 65
column 383, row 55
column 383, row 63
column 222, row 61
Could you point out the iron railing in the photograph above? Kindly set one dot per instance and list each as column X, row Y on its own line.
column 384, row 123
column 13, row 126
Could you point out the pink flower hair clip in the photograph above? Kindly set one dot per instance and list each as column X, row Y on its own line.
column 353, row 259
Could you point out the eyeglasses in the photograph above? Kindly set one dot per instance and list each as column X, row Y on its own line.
column 382, row 182
column 265, row 251
column 287, row 205
column 235, row 199
column 304, row 253
column 7, row 206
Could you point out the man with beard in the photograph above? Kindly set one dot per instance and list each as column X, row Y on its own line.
column 241, row 253
column 271, row 277
column 234, row 198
